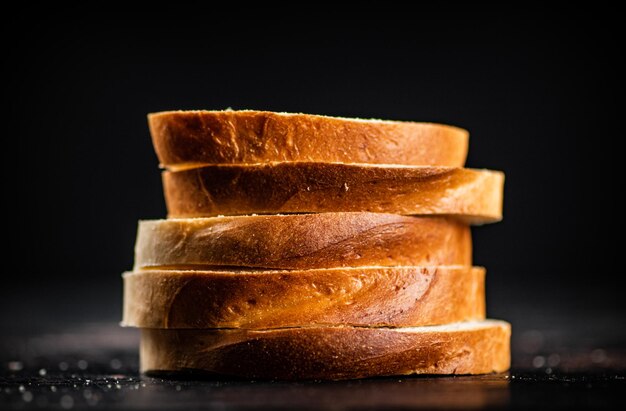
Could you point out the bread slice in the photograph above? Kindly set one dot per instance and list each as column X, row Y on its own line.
column 333, row 353
column 182, row 138
column 299, row 241
column 473, row 195
column 365, row 296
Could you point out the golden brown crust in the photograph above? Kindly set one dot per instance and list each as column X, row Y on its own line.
column 301, row 241
column 474, row 195
column 244, row 137
column 367, row 296
column 333, row 353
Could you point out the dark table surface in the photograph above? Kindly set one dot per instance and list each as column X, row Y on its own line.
column 96, row 366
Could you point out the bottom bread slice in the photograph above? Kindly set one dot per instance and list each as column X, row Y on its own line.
column 333, row 353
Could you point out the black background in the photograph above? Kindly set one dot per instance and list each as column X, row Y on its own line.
column 540, row 92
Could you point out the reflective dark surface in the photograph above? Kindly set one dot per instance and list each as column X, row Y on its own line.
column 96, row 367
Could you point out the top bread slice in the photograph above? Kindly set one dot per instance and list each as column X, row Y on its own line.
column 187, row 138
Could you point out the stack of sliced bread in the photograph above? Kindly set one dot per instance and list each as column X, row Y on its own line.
column 311, row 247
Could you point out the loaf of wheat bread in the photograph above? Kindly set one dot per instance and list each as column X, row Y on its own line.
column 472, row 195
column 299, row 241
column 333, row 353
column 360, row 296
column 183, row 138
